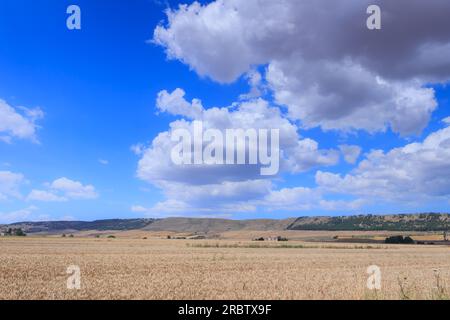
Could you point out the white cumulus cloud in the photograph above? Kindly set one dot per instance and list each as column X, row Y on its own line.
column 64, row 189
column 45, row 196
column 416, row 171
column 18, row 122
column 350, row 153
column 10, row 184
column 223, row 187
column 18, row 215
column 322, row 62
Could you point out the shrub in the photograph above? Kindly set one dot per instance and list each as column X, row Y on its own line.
column 19, row 232
column 399, row 240
column 258, row 239
column 408, row 240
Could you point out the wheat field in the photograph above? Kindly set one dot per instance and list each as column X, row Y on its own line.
column 35, row 268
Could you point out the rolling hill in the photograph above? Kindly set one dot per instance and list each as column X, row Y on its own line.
column 100, row 225
column 216, row 225
column 400, row 222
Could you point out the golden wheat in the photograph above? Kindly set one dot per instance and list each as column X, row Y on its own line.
column 35, row 268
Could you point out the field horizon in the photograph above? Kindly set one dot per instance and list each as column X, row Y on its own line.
column 363, row 222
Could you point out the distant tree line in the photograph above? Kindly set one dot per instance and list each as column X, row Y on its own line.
column 419, row 222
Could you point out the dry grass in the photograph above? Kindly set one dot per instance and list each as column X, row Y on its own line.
column 280, row 245
column 35, row 268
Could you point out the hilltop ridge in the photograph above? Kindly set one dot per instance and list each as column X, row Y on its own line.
column 397, row 222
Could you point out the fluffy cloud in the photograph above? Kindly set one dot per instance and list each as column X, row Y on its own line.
column 74, row 189
column 18, row 122
column 298, row 198
column 103, row 162
column 307, row 155
column 170, row 208
column 322, row 62
column 344, row 96
column 235, row 198
column 350, row 153
column 218, row 196
column 223, row 187
column 299, row 155
column 10, row 183
column 45, row 196
column 64, row 189
column 257, row 88
column 410, row 173
column 306, row 199
column 18, row 215
column 175, row 104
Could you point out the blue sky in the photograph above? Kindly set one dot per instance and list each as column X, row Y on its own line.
column 96, row 92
